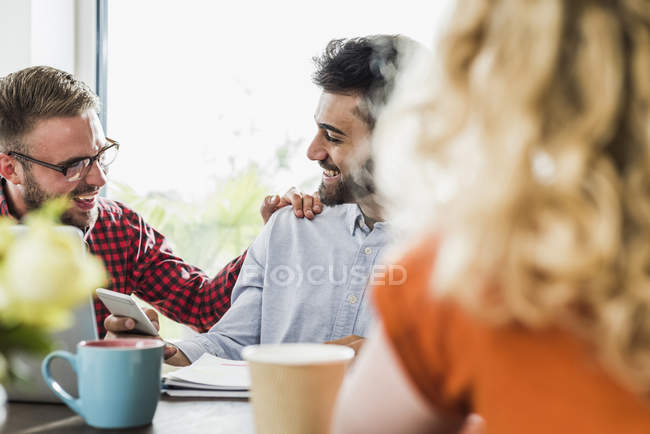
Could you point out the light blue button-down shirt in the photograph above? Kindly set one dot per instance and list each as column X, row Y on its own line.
column 302, row 281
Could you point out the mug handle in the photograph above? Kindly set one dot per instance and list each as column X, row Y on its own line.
column 69, row 400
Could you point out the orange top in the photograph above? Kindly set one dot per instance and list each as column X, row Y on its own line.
column 519, row 380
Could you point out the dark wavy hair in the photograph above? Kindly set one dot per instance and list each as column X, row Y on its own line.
column 364, row 66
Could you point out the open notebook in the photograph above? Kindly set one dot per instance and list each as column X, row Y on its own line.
column 210, row 376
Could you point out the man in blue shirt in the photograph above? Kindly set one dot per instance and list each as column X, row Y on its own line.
column 306, row 280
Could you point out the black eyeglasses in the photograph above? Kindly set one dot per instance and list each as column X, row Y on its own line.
column 78, row 169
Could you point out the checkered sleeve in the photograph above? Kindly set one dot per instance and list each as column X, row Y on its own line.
column 180, row 291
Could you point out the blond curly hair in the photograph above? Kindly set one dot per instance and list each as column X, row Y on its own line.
column 527, row 149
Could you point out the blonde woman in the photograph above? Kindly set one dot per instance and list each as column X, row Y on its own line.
column 528, row 292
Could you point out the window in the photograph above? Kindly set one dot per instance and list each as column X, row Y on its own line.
column 213, row 105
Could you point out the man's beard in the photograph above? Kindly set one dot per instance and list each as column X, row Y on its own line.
column 350, row 189
column 35, row 197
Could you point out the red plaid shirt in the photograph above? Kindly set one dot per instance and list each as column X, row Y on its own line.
column 140, row 261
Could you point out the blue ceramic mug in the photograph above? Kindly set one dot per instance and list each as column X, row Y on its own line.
column 119, row 381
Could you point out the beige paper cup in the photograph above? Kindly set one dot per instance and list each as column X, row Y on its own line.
column 294, row 386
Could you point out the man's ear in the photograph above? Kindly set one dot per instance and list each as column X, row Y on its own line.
column 10, row 169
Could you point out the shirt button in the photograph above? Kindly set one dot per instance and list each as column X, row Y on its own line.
column 368, row 251
column 352, row 299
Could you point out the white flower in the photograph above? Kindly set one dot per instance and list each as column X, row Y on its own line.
column 44, row 274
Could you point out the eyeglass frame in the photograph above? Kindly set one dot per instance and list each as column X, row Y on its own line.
column 63, row 169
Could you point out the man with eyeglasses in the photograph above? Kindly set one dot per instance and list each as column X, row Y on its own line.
column 52, row 144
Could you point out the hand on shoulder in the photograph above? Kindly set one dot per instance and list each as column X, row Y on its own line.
column 304, row 205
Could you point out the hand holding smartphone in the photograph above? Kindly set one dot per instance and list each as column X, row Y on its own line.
column 123, row 305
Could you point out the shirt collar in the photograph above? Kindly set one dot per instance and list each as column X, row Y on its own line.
column 354, row 220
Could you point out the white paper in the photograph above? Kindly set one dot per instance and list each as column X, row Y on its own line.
column 214, row 371
column 194, row 393
column 173, row 382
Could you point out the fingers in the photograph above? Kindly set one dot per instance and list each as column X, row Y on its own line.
column 318, row 205
column 169, row 351
column 304, row 205
column 283, row 202
column 270, row 204
column 118, row 324
column 177, row 359
column 153, row 317
column 307, row 203
column 311, row 205
column 295, row 198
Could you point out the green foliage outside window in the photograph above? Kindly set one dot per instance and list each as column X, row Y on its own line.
column 216, row 228
column 207, row 232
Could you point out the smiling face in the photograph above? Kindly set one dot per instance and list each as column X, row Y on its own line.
column 61, row 140
column 341, row 147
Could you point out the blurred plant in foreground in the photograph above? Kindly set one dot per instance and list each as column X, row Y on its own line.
column 44, row 274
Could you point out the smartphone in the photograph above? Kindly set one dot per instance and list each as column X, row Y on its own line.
column 123, row 305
